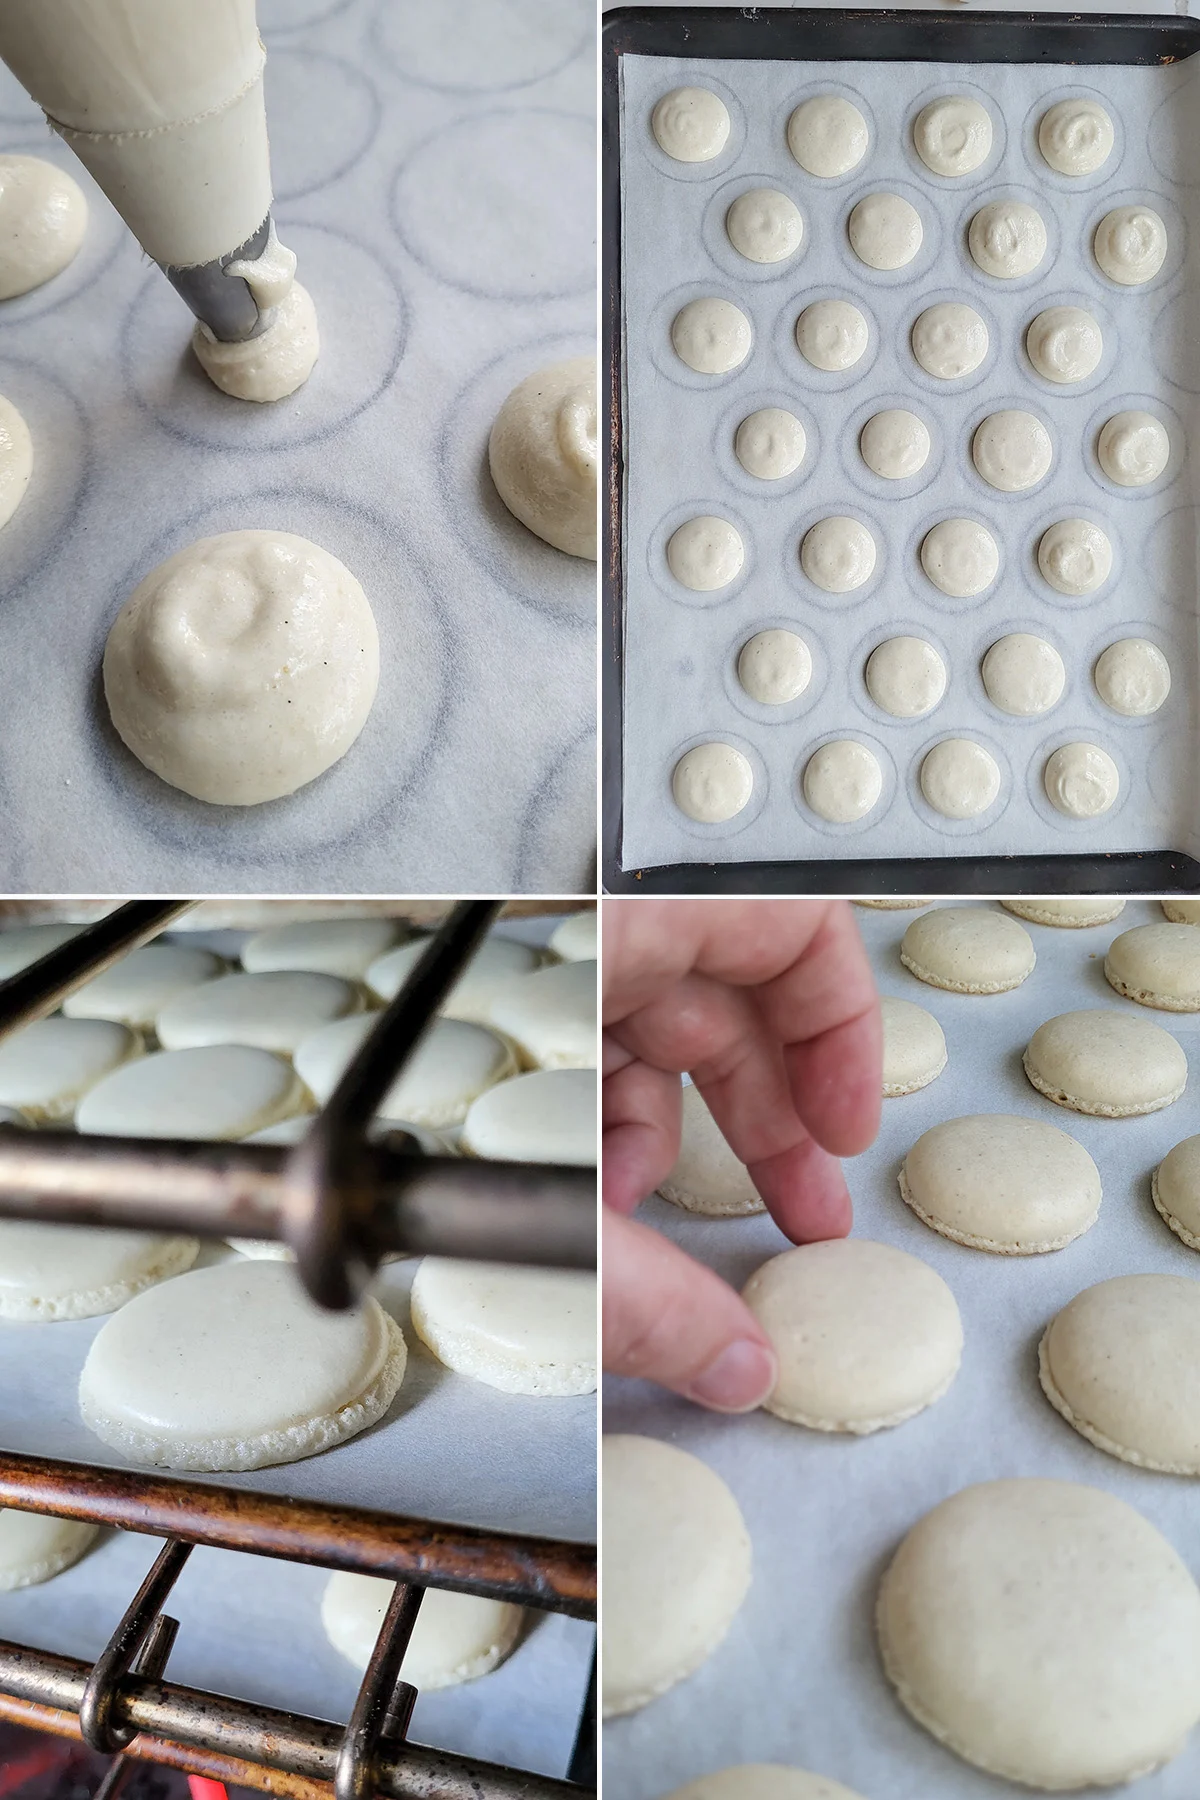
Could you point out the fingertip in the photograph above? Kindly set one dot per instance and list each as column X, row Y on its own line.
column 738, row 1379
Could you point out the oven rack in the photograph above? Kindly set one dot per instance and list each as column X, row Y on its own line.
column 341, row 1203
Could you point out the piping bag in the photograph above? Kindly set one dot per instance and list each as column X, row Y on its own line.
column 162, row 101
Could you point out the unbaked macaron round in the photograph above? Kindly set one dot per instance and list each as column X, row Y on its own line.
column 1109, row 1063
column 914, row 1047
column 1121, row 1363
column 866, row 1336
column 677, row 1564
column 994, row 1181
column 707, row 1177
column 1074, row 911
column 1044, row 1631
column 968, row 950
column 1157, row 965
column 1175, row 1189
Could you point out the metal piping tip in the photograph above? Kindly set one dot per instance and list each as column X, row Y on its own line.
column 223, row 302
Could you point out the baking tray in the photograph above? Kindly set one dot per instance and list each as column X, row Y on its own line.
column 434, row 169
column 1132, row 849
column 798, row 1678
column 250, row 1626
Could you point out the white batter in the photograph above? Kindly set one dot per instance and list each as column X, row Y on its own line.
column 711, row 336
column 691, row 124
column 774, row 667
column 960, row 557
column 1133, row 677
column 842, row 781
column 832, row 335
column 575, row 938
column 48, row 1066
column 838, row 555
column 35, row 1546
column 16, row 459
column 949, row 340
column 705, row 554
column 43, row 216
column 764, row 226
column 1081, row 780
column 1023, row 675
column 272, row 365
column 885, row 231
column 543, row 455
column 234, row 1367
column 497, row 960
column 524, row 1331
column 1012, row 451
column 770, row 443
column 1065, row 344
column 345, row 947
column 547, row 1116
column 953, row 135
column 1133, row 448
column 828, row 136
column 960, row 778
column 75, row 1271
column 1076, row 136
column 1130, row 245
column 1075, row 556
column 452, row 1065
column 135, row 989
column 242, row 667
column 677, row 1566
column 1007, row 239
column 906, row 677
column 457, row 1637
column 550, row 1016
column 894, row 444
column 274, row 1010
column 712, row 783
column 223, row 1092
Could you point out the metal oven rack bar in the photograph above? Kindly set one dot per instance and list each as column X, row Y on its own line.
column 341, row 1202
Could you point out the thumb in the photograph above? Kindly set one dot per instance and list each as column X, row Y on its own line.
column 668, row 1319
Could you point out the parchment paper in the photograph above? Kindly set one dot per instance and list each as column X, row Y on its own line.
column 681, row 649
column 434, row 170
column 798, row 1680
column 251, row 1627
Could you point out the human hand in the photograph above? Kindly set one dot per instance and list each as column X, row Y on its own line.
column 771, row 1007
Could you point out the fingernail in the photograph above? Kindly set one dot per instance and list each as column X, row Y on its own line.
column 737, row 1380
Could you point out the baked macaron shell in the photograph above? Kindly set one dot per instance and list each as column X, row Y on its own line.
column 996, row 1181
column 914, row 1047
column 1175, row 1187
column 1114, row 1065
column 968, row 950
column 1157, row 965
column 1121, row 1363
column 866, row 1335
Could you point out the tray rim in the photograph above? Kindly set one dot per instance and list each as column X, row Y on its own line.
column 819, row 34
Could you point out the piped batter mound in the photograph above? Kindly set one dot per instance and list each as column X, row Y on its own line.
column 242, row 667
column 43, row 217
column 542, row 454
column 280, row 359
